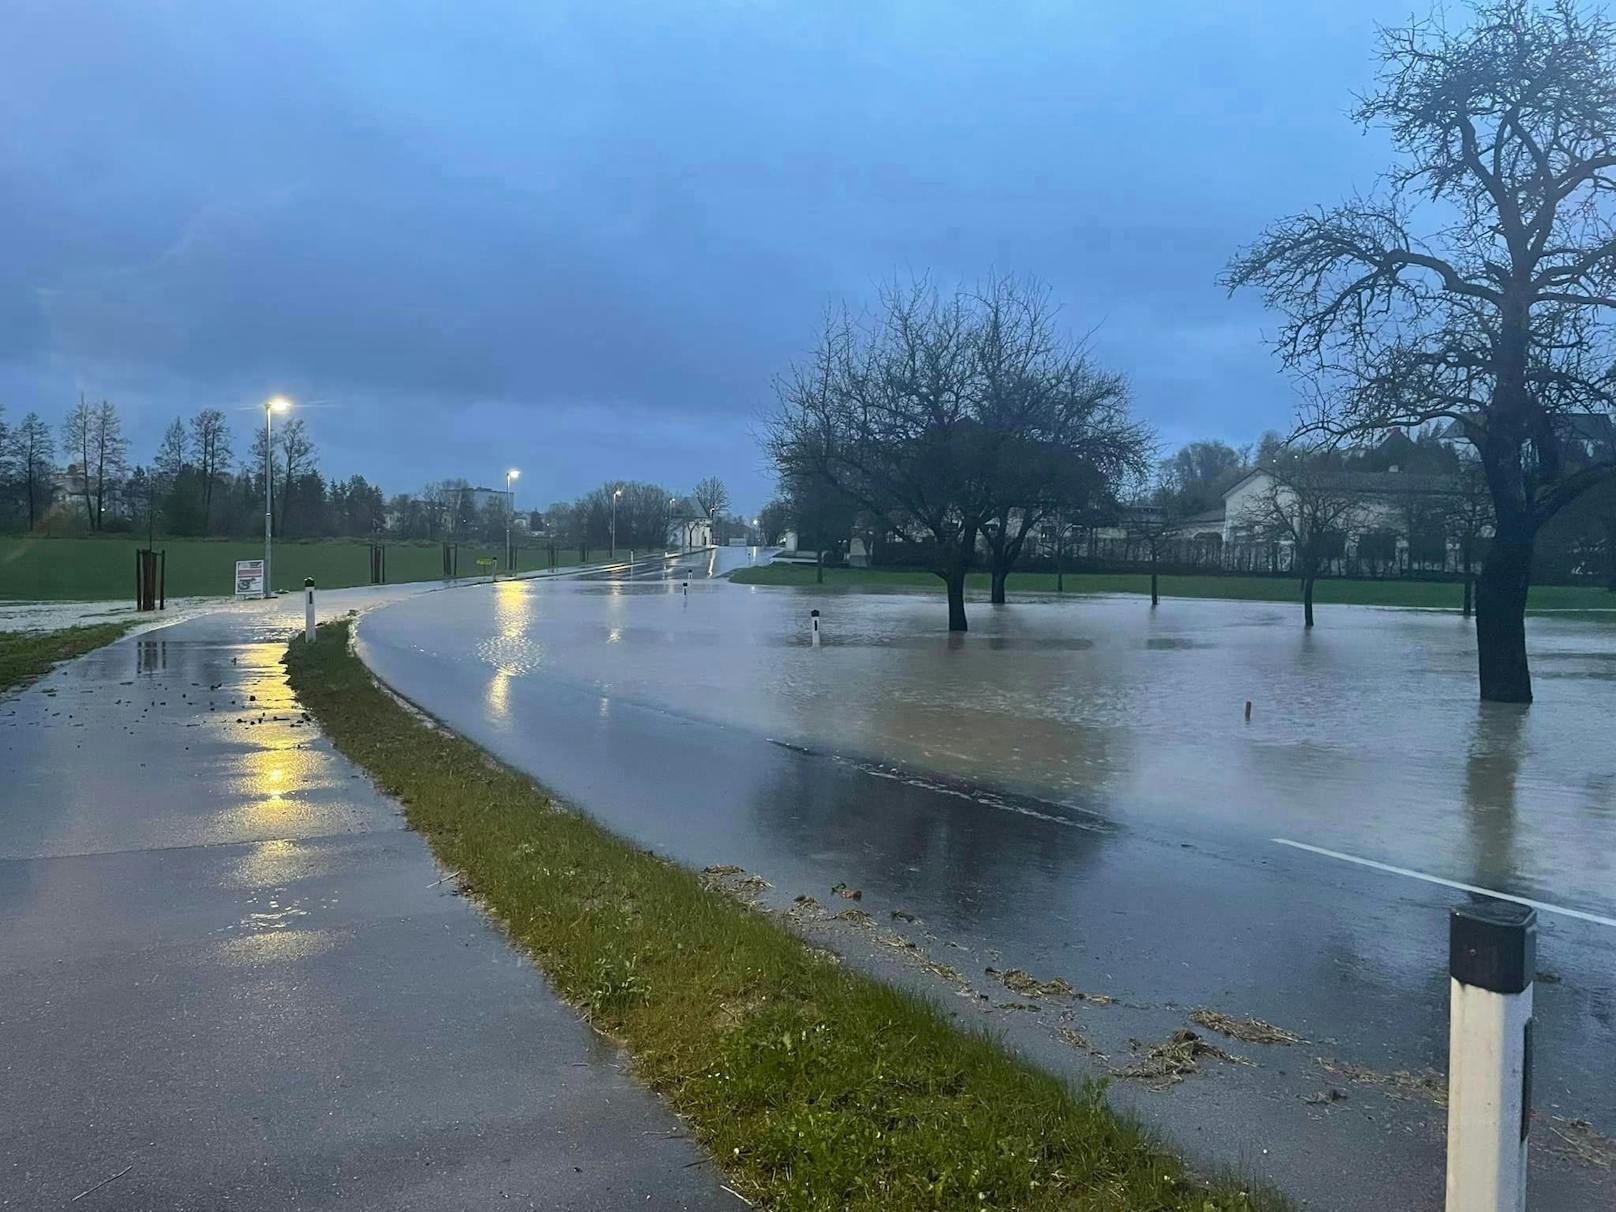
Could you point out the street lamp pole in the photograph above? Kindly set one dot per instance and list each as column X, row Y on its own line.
column 510, row 510
column 616, row 492
column 271, row 407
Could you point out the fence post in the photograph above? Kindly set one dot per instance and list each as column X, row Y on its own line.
column 308, row 609
column 813, row 615
column 1492, row 958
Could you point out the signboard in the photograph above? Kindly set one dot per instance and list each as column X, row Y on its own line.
column 249, row 578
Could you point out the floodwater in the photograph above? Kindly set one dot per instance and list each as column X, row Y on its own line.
column 1073, row 789
column 1365, row 734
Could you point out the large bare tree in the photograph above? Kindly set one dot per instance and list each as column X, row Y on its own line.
column 1478, row 285
column 945, row 417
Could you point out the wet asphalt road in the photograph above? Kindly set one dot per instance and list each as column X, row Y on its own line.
column 1163, row 919
column 230, row 977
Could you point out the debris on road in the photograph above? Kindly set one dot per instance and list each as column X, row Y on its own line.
column 1579, row 1142
column 1330, row 1094
column 1401, row 1083
column 848, row 894
column 1021, row 982
column 1167, row 1064
column 1246, row 1030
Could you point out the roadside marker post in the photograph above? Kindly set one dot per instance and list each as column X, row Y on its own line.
column 308, row 609
column 1492, row 957
column 814, row 615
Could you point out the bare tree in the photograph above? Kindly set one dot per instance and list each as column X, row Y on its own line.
column 1499, row 316
column 948, row 418
column 773, row 521
column 210, row 449
column 93, row 435
column 1310, row 509
column 34, row 462
column 1065, row 437
column 711, row 496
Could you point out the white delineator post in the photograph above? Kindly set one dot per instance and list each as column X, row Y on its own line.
column 814, row 616
column 308, row 609
column 1492, row 956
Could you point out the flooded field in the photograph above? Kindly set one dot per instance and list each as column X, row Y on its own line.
column 1365, row 735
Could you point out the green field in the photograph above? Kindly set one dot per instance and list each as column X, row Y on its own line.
column 1257, row 589
column 89, row 570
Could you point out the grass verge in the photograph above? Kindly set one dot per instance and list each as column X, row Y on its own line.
column 813, row 1087
column 26, row 655
column 1332, row 591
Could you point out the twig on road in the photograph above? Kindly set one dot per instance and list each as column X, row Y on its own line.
column 102, row 1183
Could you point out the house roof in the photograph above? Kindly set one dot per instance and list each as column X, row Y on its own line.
column 1596, row 427
column 1369, row 483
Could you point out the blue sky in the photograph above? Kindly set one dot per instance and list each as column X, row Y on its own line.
column 582, row 238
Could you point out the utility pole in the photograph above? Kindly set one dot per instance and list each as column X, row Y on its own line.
column 510, row 511
column 271, row 407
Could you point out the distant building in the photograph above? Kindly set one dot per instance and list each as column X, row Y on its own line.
column 689, row 525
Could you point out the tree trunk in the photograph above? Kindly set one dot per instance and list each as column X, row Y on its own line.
column 1060, row 568
column 999, row 577
column 955, row 580
column 1155, row 592
column 1501, row 616
column 1307, row 600
column 819, row 566
column 1469, row 591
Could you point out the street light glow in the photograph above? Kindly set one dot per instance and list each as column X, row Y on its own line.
column 513, row 474
column 278, row 404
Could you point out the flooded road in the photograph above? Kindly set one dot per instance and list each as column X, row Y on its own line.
column 1072, row 789
column 1365, row 736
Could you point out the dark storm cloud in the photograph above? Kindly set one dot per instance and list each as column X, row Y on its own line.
column 583, row 237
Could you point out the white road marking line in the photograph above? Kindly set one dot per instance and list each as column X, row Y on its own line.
column 1436, row 879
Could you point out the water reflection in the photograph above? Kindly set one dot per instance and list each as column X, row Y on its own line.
column 1492, row 769
column 151, row 656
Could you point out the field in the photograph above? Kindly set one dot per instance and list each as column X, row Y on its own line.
column 94, row 569
column 1389, row 592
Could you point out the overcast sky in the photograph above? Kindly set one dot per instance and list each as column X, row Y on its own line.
column 581, row 238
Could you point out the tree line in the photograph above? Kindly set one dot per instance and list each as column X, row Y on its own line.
column 77, row 477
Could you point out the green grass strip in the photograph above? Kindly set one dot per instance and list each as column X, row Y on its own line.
column 812, row 1086
column 26, row 655
column 1330, row 591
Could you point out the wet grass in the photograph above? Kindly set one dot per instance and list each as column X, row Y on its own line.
column 1338, row 592
column 811, row 1086
column 27, row 655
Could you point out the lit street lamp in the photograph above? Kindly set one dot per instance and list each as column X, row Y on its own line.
column 510, row 509
column 271, row 407
column 615, row 494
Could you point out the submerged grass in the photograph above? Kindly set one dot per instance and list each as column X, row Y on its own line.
column 26, row 655
column 812, row 1086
